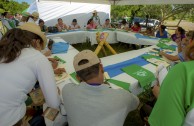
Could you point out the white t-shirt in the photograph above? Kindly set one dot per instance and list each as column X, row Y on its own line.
column 189, row 120
column 101, row 105
column 18, row 78
column 75, row 26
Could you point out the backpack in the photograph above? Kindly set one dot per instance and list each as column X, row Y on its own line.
column 52, row 29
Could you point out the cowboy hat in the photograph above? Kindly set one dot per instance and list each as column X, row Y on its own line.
column 32, row 27
column 35, row 14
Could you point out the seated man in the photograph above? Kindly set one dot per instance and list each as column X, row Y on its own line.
column 74, row 25
column 92, row 102
column 162, row 33
column 180, row 56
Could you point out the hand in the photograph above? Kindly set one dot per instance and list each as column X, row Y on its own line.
column 54, row 64
column 59, row 71
column 156, row 90
column 47, row 53
column 52, row 59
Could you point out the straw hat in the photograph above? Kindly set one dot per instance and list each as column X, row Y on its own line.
column 35, row 14
column 32, row 27
column 94, row 11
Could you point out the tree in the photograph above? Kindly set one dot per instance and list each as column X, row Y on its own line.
column 12, row 6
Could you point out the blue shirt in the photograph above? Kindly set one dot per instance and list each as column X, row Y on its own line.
column 180, row 55
column 164, row 36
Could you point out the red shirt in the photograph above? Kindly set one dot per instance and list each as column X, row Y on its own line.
column 137, row 29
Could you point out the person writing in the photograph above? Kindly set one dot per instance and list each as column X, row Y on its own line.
column 107, row 24
column 91, row 25
column 93, row 102
column 74, row 25
column 21, row 66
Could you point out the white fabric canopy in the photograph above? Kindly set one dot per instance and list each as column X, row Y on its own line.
column 50, row 11
column 131, row 2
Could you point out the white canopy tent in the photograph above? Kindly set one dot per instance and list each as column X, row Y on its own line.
column 50, row 11
column 131, row 2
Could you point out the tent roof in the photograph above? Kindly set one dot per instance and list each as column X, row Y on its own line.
column 130, row 2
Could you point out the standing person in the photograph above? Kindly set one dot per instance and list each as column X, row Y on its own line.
column 60, row 25
column 162, row 33
column 179, row 35
column 24, row 19
column 74, row 25
column 92, row 102
column 7, row 21
column 91, row 25
column 107, row 24
column 96, row 18
column 21, row 65
column 33, row 17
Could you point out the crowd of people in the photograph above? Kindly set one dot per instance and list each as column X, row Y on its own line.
column 24, row 61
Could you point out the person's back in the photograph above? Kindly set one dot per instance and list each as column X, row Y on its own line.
column 88, row 105
column 92, row 103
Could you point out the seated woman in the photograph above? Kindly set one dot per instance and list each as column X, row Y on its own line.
column 148, row 32
column 107, row 24
column 60, row 25
column 74, row 25
column 22, row 64
column 162, row 33
column 124, row 25
column 179, row 35
column 91, row 25
column 136, row 27
column 183, row 44
column 42, row 26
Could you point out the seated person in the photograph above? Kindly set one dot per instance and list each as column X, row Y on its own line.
column 162, row 33
column 184, row 43
column 60, row 25
column 24, row 19
column 179, row 35
column 175, row 103
column 148, row 32
column 124, row 25
column 33, row 17
column 74, row 25
column 136, row 27
column 93, row 102
column 42, row 26
column 91, row 24
column 107, row 24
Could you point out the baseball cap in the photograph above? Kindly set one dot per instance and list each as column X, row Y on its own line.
column 85, row 55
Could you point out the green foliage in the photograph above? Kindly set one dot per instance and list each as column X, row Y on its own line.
column 12, row 6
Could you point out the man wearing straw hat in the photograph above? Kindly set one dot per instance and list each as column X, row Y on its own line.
column 34, row 17
column 92, row 102
column 96, row 18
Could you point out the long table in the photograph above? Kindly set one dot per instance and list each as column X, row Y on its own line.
column 80, row 36
column 106, row 61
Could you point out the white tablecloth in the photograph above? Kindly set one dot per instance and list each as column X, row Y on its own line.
column 129, row 37
column 72, row 37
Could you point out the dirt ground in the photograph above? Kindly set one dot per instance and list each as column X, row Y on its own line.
column 184, row 24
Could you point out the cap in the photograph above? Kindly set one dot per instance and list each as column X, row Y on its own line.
column 32, row 27
column 85, row 55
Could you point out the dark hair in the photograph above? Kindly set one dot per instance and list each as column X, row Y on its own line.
column 13, row 42
column 189, row 51
column 74, row 20
column 16, row 14
column 40, row 21
column 163, row 27
column 50, row 44
column 107, row 19
column 181, row 30
column 89, row 21
column 124, row 21
column 88, row 73
column 137, row 23
column 5, row 13
column 59, row 19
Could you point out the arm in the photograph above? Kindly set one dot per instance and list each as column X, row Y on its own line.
column 170, row 57
column 45, row 76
